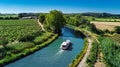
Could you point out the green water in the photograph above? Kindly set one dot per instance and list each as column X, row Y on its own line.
column 53, row 56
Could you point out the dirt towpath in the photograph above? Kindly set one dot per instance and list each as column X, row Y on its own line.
column 83, row 62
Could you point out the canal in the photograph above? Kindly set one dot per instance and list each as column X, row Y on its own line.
column 52, row 55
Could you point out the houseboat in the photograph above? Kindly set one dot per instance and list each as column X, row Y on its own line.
column 65, row 45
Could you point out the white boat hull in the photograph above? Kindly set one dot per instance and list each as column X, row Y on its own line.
column 65, row 45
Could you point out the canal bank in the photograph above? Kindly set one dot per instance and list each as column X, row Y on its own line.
column 53, row 56
column 80, row 60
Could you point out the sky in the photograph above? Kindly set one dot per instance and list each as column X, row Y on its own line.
column 66, row 6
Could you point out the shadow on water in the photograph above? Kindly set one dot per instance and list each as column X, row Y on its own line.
column 69, row 32
column 70, row 47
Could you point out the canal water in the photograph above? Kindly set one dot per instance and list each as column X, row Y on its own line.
column 52, row 55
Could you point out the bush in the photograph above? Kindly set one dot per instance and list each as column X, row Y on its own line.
column 117, row 29
column 20, row 46
column 43, row 38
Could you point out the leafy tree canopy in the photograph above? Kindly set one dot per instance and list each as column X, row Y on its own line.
column 41, row 18
column 54, row 21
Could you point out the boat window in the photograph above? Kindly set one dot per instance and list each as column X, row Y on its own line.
column 63, row 46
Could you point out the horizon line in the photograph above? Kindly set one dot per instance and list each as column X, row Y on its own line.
column 59, row 10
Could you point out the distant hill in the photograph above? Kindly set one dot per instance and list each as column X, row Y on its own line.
column 101, row 15
column 97, row 15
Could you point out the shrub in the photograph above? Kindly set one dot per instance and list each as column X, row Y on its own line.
column 117, row 29
column 20, row 46
column 42, row 38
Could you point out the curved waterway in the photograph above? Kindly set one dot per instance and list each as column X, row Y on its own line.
column 52, row 55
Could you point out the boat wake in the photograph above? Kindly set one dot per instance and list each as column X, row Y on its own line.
column 60, row 52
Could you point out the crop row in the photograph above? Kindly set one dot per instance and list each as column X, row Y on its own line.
column 20, row 33
column 18, row 22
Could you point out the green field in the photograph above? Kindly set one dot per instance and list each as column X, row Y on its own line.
column 102, row 19
column 20, row 38
column 9, row 15
column 107, row 20
column 13, row 30
column 18, row 35
column 18, row 22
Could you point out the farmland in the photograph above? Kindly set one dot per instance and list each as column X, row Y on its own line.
column 20, row 38
column 102, row 19
column 8, row 15
column 106, row 25
column 116, row 37
column 18, row 22
column 106, row 20
column 13, row 30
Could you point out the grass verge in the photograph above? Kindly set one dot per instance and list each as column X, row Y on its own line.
column 92, row 57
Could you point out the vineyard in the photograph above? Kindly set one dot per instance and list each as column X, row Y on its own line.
column 18, row 22
column 20, row 38
column 12, row 30
column 20, row 31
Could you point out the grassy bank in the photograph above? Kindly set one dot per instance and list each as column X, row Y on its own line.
column 91, row 59
column 80, row 56
column 44, row 41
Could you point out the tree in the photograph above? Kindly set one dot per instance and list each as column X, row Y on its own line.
column 77, row 20
column 93, row 19
column 54, row 21
column 117, row 29
column 41, row 18
column 1, row 18
column 78, row 16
